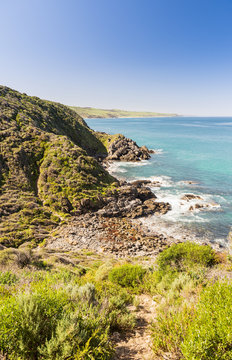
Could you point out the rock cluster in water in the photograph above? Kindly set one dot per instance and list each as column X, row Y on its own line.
column 125, row 149
column 129, row 200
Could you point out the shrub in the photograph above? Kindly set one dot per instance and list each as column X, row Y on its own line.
column 127, row 275
column 103, row 272
column 169, row 330
column 79, row 335
column 7, row 278
column 210, row 334
column 87, row 293
column 185, row 256
column 28, row 320
column 116, row 312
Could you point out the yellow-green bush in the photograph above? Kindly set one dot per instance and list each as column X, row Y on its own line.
column 209, row 335
column 128, row 275
column 185, row 257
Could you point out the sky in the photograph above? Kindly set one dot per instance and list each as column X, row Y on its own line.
column 155, row 55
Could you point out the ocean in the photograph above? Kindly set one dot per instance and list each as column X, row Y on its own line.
column 194, row 156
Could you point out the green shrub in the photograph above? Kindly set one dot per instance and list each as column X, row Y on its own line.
column 87, row 293
column 28, row 320
column 185, row 256
column 127, row 275
column 169, row 330
column 79, row 335
column 116, row 312
column 210, row 334
column 7, row 278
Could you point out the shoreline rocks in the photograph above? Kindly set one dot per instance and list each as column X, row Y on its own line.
column 125, row 149
column 117, row 236
column 127, row 201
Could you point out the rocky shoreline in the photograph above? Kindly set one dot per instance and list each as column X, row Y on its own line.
column 111, row 228
column 121, row 237
column 108, row 225
column 111, row 224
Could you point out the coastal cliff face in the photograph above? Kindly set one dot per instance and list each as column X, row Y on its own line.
column 49, row 168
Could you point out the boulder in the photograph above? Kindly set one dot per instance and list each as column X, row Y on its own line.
column 124, row 149
column 189, row 197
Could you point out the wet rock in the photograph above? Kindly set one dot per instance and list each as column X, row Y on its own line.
column 145, row 193
column 139, row 183
column 189, row 197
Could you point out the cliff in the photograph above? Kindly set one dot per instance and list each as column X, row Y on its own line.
column 49, row 167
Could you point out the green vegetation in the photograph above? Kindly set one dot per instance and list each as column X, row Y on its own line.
column 185, row 257
column 66, row 306
column 56, row 311
column 88, row 112
column 128, row 276
column 209, row 334
column 47, row 165
column 193, row 317
column 61, row 305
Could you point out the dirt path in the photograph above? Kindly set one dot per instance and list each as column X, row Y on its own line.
column 136, row 345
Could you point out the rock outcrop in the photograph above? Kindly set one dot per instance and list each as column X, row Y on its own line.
column 47, row 165
column 127, row 201
column 125, row 149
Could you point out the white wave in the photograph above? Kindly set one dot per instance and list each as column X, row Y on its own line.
column 164, row 181
column 222, row 199
column 131, row 164
column 224, row 124
column 114, row 167
column 183, row 210
column 189, row 183
column 197, row 125
column 158, row 151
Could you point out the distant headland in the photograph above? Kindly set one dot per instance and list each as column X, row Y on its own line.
column 89, row 112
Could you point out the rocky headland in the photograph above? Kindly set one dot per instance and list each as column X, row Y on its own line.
column 54, row 179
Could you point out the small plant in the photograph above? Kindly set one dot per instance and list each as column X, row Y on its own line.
column 87, row 293
column 127, row 275
column 7, row 278
column 169, row 330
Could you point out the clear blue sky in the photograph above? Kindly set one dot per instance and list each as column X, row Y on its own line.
column 161, row 55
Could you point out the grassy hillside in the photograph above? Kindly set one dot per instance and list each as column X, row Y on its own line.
column 46, row 165
column 88, row 112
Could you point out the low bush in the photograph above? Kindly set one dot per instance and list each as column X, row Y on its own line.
column 169, row 330
column 48, row 317
column 209, row 336
column 7, row 278
column 127, row 275
column 27, row 320
column 184, row 257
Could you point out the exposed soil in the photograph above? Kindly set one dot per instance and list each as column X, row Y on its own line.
column 137, row 344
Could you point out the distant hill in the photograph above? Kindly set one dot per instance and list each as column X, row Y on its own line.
column 88, row 112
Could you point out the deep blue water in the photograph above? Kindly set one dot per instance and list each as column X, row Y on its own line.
column 190, row 149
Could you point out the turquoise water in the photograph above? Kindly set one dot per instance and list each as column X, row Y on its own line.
column 190, row 149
